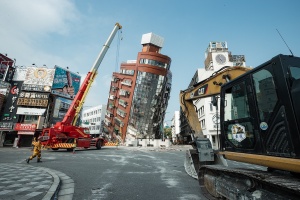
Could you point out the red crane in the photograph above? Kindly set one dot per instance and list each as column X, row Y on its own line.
column 65, row 134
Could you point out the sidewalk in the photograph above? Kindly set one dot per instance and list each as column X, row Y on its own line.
column 23, row 181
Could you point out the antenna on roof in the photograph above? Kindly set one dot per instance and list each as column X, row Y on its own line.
column 285, row 42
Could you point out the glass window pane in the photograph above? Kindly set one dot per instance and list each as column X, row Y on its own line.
column 266, row 95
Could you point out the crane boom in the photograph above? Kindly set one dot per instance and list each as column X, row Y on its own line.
column 72, row 113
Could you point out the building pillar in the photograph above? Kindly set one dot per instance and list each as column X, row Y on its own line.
column 2, row 137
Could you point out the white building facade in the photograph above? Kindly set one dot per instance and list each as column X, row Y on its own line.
column 175, row 126
column 217, row 56
column 93, row 118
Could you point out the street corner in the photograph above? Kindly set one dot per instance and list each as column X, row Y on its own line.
column 23, row 181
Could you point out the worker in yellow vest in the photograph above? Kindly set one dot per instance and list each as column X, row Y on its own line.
column 37, row 149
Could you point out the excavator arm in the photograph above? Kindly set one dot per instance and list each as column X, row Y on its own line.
column 206, row 88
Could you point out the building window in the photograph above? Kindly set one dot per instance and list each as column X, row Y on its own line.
column 154, row 63
column 127, row 71
column 123, row 103
column 213, row 138
column 201, row 112
column 126, row 82
column 202, row 122
column 121, row 113
column 124, row 92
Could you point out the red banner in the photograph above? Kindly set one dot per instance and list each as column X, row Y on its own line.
column 25, row 127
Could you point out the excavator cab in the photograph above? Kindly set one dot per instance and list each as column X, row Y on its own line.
column 259, row 122
column 260, row 110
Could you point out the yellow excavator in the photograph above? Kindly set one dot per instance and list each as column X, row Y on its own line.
column 259, row 124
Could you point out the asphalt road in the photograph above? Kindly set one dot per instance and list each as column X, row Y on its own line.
column 118, row 173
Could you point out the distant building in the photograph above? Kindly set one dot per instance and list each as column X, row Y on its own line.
column 217, row 56
column 139, row 93
column 93, row 118
column 175, row 127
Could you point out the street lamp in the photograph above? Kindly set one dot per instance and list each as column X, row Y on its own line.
column 214, row 101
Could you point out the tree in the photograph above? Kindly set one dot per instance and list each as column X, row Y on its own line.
column 168, row 132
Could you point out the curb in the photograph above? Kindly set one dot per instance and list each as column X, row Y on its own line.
column 54, row 189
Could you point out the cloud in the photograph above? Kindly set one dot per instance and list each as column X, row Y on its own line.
column 25, row 23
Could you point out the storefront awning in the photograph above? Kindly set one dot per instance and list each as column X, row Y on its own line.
column 25, row 133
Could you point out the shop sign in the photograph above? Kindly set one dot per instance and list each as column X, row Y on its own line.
column 25, row 127
column 30, row 111
column 32, row 102
column 36, row 88
column 33, row 99
column 6, row 125
column 25, row 133
column 11, row 105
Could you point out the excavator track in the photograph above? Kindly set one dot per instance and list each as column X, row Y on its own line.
column 220, row 182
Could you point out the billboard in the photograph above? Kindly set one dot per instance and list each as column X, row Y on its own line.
column 38, row 79
column 10, row 109
column 20, row 73
column 65, row 83
column 9, row 73
column 61, row 107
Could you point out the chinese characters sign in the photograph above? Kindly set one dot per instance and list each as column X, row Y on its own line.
column 9, row 112
column 25, row 127
column 33, row 99
column 6, row 125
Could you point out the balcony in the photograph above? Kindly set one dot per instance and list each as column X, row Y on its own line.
column 112, row 97
column 123, row 103
column 107, row 122
column 119, row 122
column 126, row 82
column 121, row 113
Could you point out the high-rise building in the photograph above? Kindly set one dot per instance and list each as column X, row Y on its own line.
column 139, row 93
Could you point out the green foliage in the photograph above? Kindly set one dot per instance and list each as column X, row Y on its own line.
column 168, row 132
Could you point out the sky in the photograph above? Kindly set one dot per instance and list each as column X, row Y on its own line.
column 71, row 33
